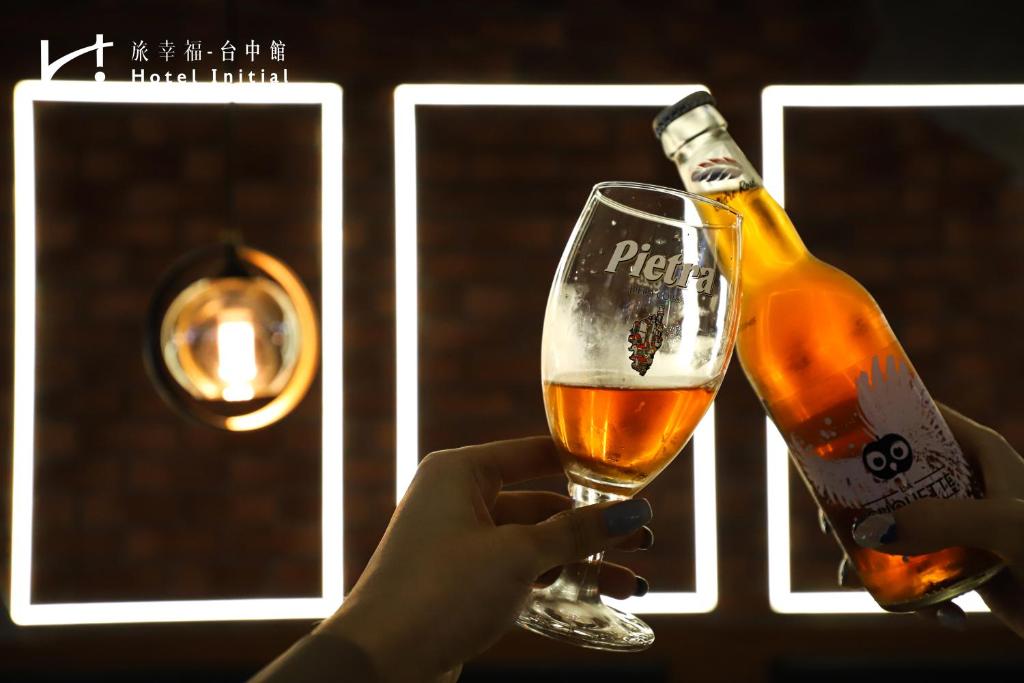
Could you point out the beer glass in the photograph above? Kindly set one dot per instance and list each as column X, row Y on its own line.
column 638, row 333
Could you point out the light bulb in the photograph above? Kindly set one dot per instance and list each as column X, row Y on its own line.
column 236, row 355
column 231, row 339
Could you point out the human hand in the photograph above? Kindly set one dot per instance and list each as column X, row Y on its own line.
column 460, row 557
column 994, row 523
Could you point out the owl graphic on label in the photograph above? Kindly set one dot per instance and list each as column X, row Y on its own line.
column 913, row 454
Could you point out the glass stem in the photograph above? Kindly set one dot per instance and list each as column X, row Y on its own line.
column 578, row 581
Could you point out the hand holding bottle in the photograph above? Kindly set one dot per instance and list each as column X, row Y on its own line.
column 832, row 376
column 994, row 523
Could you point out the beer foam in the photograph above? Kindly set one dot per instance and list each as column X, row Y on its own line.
column 586, row 342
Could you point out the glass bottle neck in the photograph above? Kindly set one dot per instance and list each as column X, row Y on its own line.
column 713, row 165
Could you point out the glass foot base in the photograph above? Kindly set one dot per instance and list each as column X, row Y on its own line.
column 586, row 624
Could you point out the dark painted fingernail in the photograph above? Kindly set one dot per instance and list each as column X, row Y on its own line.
column 875, row 531
column 641, row 587
column 952, row 617
column 627, row 516
column 648, row 541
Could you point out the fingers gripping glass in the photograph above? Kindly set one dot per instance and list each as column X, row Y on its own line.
column 638, row 333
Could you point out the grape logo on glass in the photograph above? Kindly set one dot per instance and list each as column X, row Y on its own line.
column 231, row 67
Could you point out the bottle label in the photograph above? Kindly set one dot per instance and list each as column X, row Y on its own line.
column 716, row 168
column 719, row 170
column 911, row 455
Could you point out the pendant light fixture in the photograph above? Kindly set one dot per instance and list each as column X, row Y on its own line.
column 231, row 337
column 231, row 333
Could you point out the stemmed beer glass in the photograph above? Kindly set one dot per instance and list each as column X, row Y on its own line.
column 638, row 333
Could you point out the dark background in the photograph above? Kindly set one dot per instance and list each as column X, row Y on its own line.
column 922, row 206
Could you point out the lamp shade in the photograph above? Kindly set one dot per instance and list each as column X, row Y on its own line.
column 232, row 338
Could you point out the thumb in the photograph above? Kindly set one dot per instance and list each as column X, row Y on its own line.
column 996, row 525
column 575, row 534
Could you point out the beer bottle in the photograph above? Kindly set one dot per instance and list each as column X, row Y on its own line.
column 860, row 425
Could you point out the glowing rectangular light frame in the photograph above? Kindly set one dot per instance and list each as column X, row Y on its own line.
column 407, row 98
column 329, row 97
column 774, row 100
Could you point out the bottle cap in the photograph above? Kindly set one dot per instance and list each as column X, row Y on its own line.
column 686, row 119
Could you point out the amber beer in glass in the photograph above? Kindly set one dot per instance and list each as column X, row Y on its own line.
column 638, row 333
column 860, row 425
column 619, row 438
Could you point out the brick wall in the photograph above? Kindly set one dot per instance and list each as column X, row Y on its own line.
column 188, row 511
